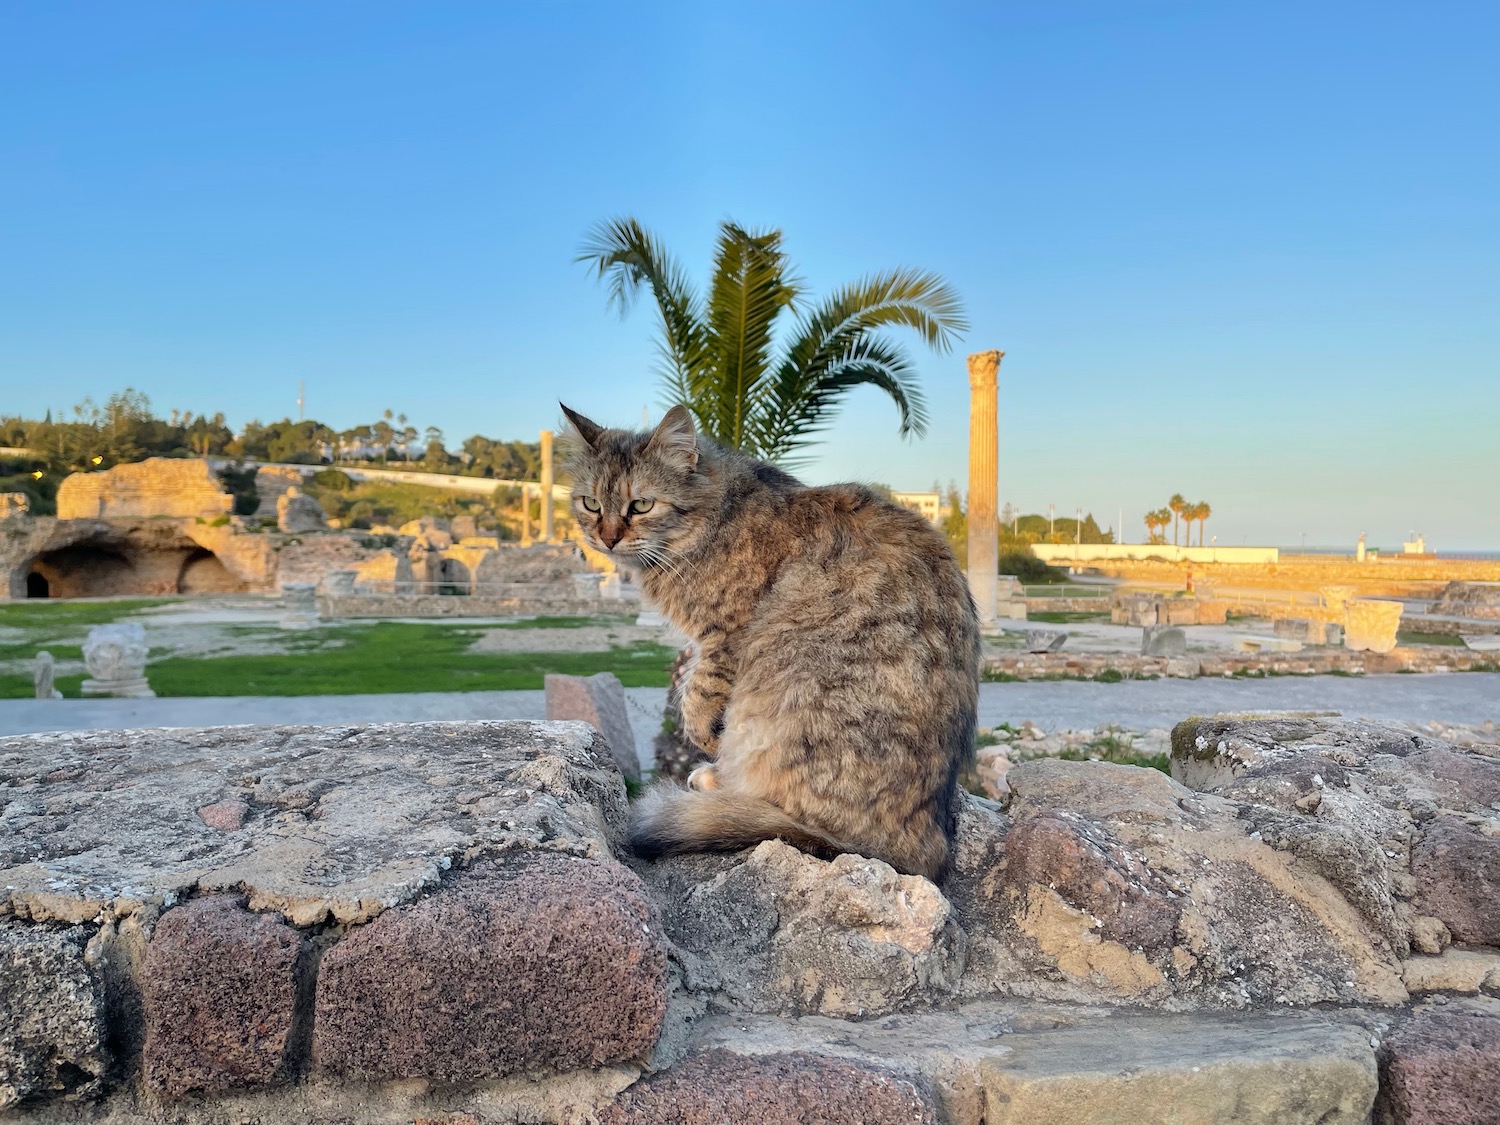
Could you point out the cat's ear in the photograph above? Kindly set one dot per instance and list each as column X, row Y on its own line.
column 589, row 431
column 675, row 440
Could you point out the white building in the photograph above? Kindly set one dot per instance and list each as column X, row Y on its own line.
column 928, row 505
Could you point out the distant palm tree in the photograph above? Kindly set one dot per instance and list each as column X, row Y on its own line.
column 1202, row 512
column 719, row 357
column 1176, row 505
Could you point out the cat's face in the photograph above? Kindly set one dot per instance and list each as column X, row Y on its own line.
column 635, row 494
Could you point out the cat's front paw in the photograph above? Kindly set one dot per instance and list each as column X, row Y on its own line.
column 704, row 724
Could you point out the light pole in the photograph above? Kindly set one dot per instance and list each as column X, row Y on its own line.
column 1078, row 528
column 1051, row 518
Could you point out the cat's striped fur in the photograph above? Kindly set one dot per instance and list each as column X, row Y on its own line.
column 837, row 674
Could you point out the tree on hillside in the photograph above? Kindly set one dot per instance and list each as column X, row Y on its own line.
column 718, row 353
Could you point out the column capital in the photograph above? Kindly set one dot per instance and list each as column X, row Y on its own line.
column 984, row 369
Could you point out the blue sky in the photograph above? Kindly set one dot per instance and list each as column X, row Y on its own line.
column 1243, row 251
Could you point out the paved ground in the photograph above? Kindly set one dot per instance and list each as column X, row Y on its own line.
column 1466, row 698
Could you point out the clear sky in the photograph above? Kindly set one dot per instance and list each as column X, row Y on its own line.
column 1245, row 251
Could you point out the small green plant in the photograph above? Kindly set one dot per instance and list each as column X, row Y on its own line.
column 1109, row 676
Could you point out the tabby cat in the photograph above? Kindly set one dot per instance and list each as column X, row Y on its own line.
column 837, row 670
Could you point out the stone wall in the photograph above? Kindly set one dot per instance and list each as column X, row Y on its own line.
column 516, row 600
column 439, row 922
column 1334, row 661
column 158, row 486
column 1387, row 576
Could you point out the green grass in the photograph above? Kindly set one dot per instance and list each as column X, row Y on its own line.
column 1066, row 617
column 45, row 621
column 47, row 613
column 1119, row 749
column 1411, row 637
column 384, row 657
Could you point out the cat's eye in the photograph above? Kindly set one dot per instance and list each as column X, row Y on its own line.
column 641, row 507
column 589, row 503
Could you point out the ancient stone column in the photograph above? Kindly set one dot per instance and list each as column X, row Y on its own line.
column 547, row 529
column 984, row 484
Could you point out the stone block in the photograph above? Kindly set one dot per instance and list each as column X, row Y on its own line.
column 1163, row 640
column 219, row 991
column 1252, row 643
column 1045, row 640
column 1442, row 1068
column 717, row 1087
column 52, row 1028
column 600, row 701
column 1370, row 624
column 1120, row 884
column 1453, row 970
column 1249, row 1073
column 1304, row 629
column 534, row 961
column 339, row 822
column 1457, row 869
column 157, row 486
column 775, row 930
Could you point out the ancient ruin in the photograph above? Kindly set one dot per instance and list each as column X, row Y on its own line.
column 311, row 924
column 163, row 526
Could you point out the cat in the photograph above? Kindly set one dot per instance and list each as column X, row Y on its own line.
column 836, row 681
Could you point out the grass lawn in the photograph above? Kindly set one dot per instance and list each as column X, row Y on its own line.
column 1066, row 617
column 387, row 656
column 45, row 620
column 1410, row 637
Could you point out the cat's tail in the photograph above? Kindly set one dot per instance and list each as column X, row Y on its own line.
column 670, row 820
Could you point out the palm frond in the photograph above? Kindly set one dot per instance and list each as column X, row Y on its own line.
column 625, row 256
column 801, row 400
column 750, row 287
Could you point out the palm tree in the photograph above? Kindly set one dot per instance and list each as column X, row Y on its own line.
column 1176, row 505
column 718, row 355
column 1202, row 512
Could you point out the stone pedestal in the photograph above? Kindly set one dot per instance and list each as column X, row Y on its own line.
column 984, row 484
column 299, row 604
column 116, row 659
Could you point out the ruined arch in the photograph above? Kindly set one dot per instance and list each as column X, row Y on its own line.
column 37, row 585
column 89, row 569
column 203, row 573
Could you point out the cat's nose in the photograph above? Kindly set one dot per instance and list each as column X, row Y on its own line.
column 611, row 535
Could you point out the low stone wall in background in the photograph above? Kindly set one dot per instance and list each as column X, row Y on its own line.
column 532, row 603
column 1334, row 661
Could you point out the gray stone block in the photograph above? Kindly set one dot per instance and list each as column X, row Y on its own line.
column 1163, row 640
column 337, row 822
column 600, row 701
column 52, row 1034
column 1250, row 1074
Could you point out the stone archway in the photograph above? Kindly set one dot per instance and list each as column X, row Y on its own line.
column 37, row 585
column 453, row 577
column 203, row 573
column 84, row 570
